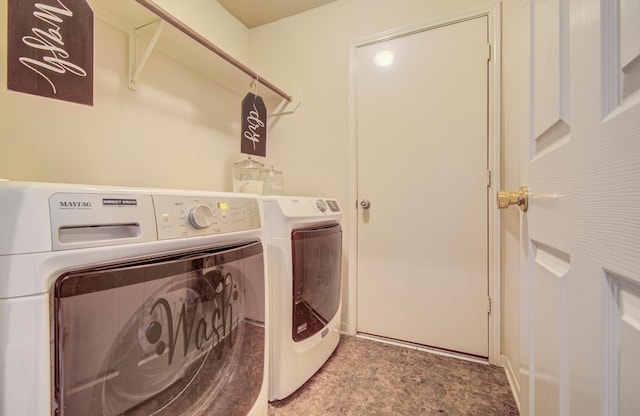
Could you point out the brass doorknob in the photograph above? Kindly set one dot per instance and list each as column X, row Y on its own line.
column 520, row 198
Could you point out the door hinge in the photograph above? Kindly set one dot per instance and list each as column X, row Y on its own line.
column 488, row 178
column 489, row 51
column 489, row 305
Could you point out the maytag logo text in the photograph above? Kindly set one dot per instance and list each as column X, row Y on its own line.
column 74, row 204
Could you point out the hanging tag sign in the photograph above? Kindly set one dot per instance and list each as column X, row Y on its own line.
column 50, row 49
column 254, row 126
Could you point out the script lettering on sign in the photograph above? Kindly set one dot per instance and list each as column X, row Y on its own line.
column 254, row 126
column 50, row 49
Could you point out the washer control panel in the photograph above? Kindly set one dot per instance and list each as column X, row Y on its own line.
column 321, row 205
column 333, row 205
column 188, row 216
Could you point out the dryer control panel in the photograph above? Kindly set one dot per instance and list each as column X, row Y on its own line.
column 193, row 215
column 304, row 206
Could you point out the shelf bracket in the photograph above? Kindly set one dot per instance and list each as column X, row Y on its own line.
column 136, row 66
column 286, row 107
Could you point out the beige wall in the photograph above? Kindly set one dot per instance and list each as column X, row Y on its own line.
column 212, row 21
column 178, row 129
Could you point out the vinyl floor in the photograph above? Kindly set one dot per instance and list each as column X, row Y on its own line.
column 370, row 378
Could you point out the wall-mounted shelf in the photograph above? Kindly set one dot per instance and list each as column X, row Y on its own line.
column 150, row 27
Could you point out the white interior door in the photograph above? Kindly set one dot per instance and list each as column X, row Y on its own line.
column 421, row 103
column 580, row 304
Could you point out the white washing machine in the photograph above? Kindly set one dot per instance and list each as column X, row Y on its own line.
column 128, row 301
column 304, row 246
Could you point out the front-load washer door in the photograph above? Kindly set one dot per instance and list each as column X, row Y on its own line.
column 178, row 335
column 317, row 258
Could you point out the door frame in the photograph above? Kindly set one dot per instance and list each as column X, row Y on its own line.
column 492, row 12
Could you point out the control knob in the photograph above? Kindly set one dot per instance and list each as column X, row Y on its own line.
column 201, row 216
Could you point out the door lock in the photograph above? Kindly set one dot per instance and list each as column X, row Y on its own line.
column 520, row 198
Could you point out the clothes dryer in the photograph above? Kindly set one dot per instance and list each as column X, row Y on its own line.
column 304, row 250
column 131, row 301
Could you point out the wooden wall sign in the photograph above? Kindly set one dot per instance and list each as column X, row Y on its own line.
column 254, row 126
column 50, row 49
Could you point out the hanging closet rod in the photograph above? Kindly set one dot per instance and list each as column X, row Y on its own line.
column 163, row 14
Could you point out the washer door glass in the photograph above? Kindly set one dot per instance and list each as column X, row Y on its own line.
column 178, row 335
column 317, row 258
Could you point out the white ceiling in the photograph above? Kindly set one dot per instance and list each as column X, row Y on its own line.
column 259, row 12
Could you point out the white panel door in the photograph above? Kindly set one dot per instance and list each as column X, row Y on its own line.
column 422, row 164
column 580, row 238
